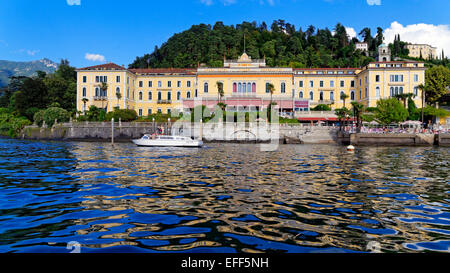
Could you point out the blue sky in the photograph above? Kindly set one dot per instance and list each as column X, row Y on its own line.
column 118, row 31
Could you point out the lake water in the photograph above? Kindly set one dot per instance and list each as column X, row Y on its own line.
column 222, row 198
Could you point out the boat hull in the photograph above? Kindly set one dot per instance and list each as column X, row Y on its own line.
column 165, row 143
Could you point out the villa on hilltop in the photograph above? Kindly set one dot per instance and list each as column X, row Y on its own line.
column 245, row 86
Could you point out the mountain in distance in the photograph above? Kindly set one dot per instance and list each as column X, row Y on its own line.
column 11, row 68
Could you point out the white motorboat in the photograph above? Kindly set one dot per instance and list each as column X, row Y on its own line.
column 167, row 141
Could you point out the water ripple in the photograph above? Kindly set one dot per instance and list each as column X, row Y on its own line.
column 226, row 198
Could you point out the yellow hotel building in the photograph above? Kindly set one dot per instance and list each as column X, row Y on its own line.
column 245, row 81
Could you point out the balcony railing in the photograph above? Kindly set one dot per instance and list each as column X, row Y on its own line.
column 100, row 98
column 164, row 101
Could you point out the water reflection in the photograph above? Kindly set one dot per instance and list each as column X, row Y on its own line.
column 222, row 198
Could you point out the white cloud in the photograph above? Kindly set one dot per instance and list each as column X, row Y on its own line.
column 230, row 2
column 207, row 2
column 350, row 32
column 434, row 35
column 32, row 52
column 94, row 57
column 73, row 2
column 374, row 2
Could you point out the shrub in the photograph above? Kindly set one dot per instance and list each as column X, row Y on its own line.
column 11, row 125
column 322, row 107
column 29, row 113
column 371, row 109
column 391, row 110
column 53, row 113
column 38, row 117
column 122, row 114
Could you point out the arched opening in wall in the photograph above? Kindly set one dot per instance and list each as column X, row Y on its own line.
column 384, row 59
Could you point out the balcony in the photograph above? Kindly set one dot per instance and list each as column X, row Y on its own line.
column 164, row 102
column 327, row 102
column 100, row 98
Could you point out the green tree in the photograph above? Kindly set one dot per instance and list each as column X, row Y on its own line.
column 55, row 113
column 390, row 111
column 220, row 92
column 271, row 88
column 358, row 109
column 413, row 113
column 33, row 93
column 344, row 97
column 342, row 114
column 437, row 81
column 118, row 96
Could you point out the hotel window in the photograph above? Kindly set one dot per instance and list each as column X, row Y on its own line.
column 105, row 78
column 140, row 112
column 244, row 85
column 169, row 84
column 249, row 87
column 416, row 91
column 169, row 96
column 352, row 95
column 360, row 81
column 178, row 95
column 342, row 84
column 300, row 83
column 321, row 83
column 128, row 92
column 150, row 84
column 205, row 87
column 117, row 78
column 365, row 93
column 196, row 93
column 149, row 111
column 188, row 95
column 342, row 94
column 254, row 87
column 169, row 111
column 117, row 91
column 178, row 83
column 321, row 96
column 300, row 94
column 331, row 96
column 234, row 87
column 360, row 96
column 188, row 83
column 159, row 96
column 377, row 91
column 159, row 84
column 128, row 80
column 377, row 78
column 311, row 95
column 84, row 91
column 159, row 110
column 150, row 95
column 283, row 87
column 331, row 83
column 311, row 83
column 400, row 90
column 392, row 92
column 416, row 78
column 396, row 78
column 84, row 78
column 267, row 87
column 97, row 91
column 352, row 84
column 140, row 95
